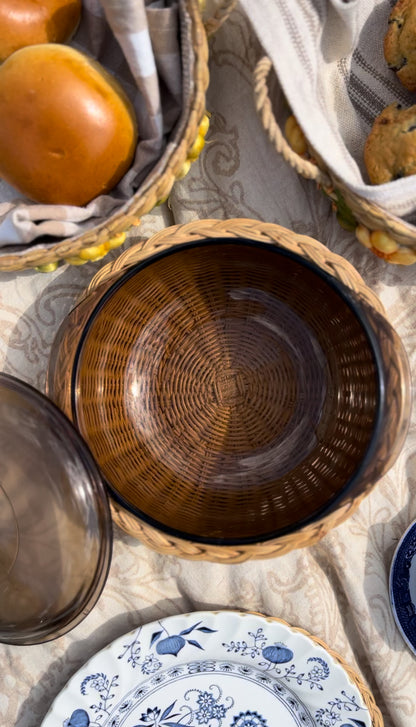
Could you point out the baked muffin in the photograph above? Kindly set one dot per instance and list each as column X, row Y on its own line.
column 400, row 42
column 390, row 149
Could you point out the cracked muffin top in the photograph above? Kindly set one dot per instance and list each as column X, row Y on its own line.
column 400, row 42
column 390, row 148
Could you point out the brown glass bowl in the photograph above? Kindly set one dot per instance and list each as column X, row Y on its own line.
column 55, row 523
column 231, row 391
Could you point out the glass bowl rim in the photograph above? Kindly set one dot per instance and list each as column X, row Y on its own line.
column 58, row 626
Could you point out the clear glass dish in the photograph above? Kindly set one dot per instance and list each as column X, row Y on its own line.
column 55, row 524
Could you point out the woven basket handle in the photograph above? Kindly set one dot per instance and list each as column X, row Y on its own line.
column 307, row 169
column 220, row 12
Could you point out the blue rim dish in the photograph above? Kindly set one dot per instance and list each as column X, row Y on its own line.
column 402, row 600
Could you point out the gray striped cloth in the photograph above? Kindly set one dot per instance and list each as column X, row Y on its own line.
column 328, row 57
column 145, row 44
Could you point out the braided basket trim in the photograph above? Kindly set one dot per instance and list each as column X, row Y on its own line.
column 308, row 248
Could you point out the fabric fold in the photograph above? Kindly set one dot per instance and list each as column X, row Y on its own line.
column 328, row 58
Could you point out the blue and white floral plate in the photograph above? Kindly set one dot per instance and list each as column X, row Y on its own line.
column 211, row 669
column 403, row 586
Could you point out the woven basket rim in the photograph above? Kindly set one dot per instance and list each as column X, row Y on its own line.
column 332, row 281
column 151, row 191
column 311, row 249
column 209, row 228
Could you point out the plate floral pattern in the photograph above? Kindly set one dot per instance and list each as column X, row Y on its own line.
column 210, row 669
column 203, row 693
column 403, row 586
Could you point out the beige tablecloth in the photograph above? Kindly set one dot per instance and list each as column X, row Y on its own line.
column 338, row 589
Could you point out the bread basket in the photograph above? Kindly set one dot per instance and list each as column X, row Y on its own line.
column 111, row 233
column 385, row 235
column 318, row 97
column 188, row 385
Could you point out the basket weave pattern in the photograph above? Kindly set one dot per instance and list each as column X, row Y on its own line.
column 303, row 245
column 310, row 250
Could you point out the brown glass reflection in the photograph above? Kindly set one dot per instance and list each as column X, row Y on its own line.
column 227, row 392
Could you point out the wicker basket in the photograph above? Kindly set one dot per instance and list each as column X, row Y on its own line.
column 397, row 386
column 111, row 233
column 385, row 235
